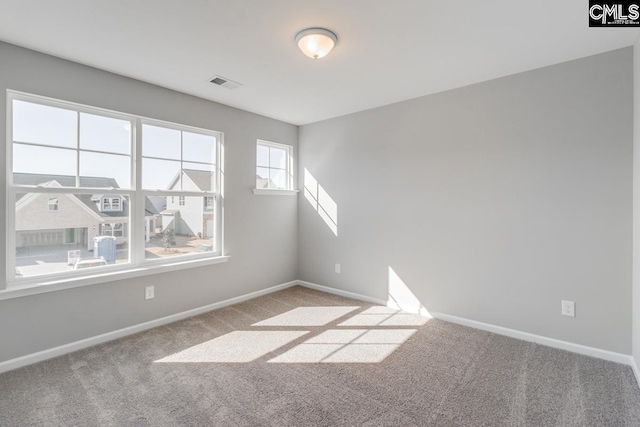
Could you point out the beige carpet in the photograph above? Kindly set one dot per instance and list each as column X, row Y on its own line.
column 304, row 358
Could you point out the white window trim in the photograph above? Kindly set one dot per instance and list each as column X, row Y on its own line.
column 274, row 192
column 289, row 190
column 59, row 284
column 138, row 265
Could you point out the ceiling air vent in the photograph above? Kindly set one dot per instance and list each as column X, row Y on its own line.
column 224, row 82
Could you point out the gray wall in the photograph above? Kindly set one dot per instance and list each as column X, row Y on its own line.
column 636, row 204
column 492, row 202
column 260, row 232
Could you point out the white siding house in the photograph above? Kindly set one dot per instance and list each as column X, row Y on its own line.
column 190, row 216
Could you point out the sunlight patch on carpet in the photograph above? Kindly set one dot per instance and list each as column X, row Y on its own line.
column 347, row 346
column 307, row 316
column 385, row 316
column 235, row 347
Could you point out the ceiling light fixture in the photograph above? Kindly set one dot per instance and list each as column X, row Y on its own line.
column 316, row 43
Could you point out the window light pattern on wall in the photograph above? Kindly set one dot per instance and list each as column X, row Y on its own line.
column 321, row 201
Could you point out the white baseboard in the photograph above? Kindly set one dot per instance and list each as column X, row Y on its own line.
column 539, row 339
column 404, row 307
column 29, row 359
column 525, row 336
column 636, row 371
column 341, row 293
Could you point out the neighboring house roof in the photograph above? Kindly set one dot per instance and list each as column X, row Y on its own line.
column 64, row 180
column 263, row 182
column 24, row 200
column 201, row 179
column 90, row 201
column 153, row 205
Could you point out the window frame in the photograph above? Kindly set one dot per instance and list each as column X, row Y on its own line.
column 137, row 265
column 56, row 204
column 218, row 195
column 209, row 203
column 111, row 204
column 289, row 169
column 110, row 227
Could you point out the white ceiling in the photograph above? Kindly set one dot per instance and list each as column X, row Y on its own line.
column 389, row 50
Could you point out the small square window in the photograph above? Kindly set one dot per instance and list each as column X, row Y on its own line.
column 53, row 204
column 181, row 200
column 274, row 168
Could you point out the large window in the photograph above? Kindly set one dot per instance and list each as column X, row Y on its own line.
column 80, row 162
column 274, row 169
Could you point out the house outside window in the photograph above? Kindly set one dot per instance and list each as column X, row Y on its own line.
column 53, row 204
column 84, row 157
column 274, row 166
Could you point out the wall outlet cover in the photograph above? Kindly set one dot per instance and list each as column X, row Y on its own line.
column 569, row 308
column 149, row 292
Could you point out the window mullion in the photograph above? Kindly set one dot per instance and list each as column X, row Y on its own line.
column 10, row 234
column 219, row 197
column 219, row 212
column 10, row 237
column 288, row 165
column 181, row 160
column 138, row 221
column 77, row 149
column 268, row 167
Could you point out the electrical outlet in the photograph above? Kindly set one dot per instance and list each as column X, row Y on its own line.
column 569, row 308
column 338, row 268
column 149, row 292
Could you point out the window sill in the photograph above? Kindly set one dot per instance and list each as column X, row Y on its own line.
column 265, row 192
column 17, row 290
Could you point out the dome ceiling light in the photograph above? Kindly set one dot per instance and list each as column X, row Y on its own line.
column 316, row 43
